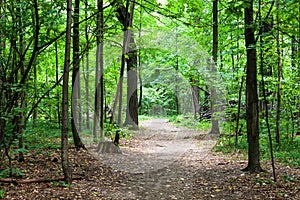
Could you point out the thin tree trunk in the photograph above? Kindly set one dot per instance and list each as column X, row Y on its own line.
column 34, row 116
column 57, row 80
column 80, row 120
column 100, row 26
column 139, row 63
column 65, row 105
column 294, row 60
column 213, row 92
column 21, row 119
column 86, row 74
column 97, row 92
column 177, row 92
column 265, row 96
column 279, row 76
column 195, row 97
column 239, row 112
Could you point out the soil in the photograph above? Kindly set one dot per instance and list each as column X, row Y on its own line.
column 161, row 161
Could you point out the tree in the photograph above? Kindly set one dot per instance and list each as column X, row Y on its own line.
column 129, row 50
column 279, row 75
column 99, row 84
column 100, row 40
column 75, row 78
column 213, row 92
column 132, row 99
column 65, row 100
column 251, row 91
column 86, row 72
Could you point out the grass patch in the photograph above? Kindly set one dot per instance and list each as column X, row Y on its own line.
column 145, row 117
column 189, row 122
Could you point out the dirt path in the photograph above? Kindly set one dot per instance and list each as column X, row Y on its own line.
column 161, row 161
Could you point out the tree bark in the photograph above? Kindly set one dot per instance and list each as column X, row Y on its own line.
column 195, row 97
column 251, row 92
column 75, row 79
column 57, row 80
column 100, row 37
column 213, row 93
column 132, row 99
column 129, row 48
column 86, row 74
column 279, row 76
column 64, row 136
column 239, row 111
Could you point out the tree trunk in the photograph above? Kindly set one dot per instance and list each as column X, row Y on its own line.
column 75, row 78
column 213, row 92
column 100, row 38
column 195, row 97
column 57, row 80
column 34, row 116
column 86, row 74
column 294, row 61
column 251, row 93
column 132, row 100
column 129, row 48
column 80, row 119
column 279, row 76
column 64, row 136
column 239, row 112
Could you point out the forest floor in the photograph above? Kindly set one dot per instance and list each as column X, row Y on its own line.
column 161, row 161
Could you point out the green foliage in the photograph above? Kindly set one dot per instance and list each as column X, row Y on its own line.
column 288, row 152
column 14, row 172
column 2, row 194
column 145, row 117
column 189, row 122
column 45, row 135
column 111, row 129
column 61, row 184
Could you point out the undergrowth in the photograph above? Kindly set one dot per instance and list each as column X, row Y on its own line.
column 287, row 153
column 189, row 122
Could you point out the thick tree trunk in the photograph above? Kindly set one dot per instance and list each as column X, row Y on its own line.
column 64, row 136
column 251, row 93
column 129, row 48
column 75, row 79
column 132, row 100
column 99, row 98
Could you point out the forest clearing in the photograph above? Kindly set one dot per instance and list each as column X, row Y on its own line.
column 149, row 99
